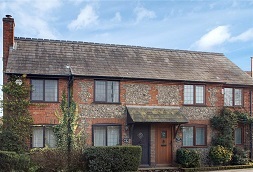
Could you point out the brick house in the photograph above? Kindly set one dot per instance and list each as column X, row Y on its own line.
column 160, row 99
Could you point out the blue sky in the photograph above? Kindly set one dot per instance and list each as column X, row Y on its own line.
column 203, row 25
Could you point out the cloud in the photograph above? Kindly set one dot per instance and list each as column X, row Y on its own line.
column 44, row 6
column 142, row 13
column 76, row 2
column 34, row 25
column 86, row 17
column 245, row 36
column 213, row 38
column 117, row 17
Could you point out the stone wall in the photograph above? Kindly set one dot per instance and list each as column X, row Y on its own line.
column 137, row 94
column 168, row 95
column 102, row 111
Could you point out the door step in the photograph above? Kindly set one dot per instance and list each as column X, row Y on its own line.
column 159, row 169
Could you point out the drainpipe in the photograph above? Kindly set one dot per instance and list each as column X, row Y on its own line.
column 70, row 83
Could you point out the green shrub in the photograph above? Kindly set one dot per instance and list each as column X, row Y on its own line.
column 220, row 155
column 188, row 158
column 10, row 142
column 52, row 159
column 11, row 161
column 113, row 158
column 240, row 156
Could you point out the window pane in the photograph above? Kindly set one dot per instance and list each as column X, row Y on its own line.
column 200, row 94
column 188, row 94
column 51, row 88
column 112, row 91
column 238, row 136
column 200, row 136
column 37, row 89
column 100, row 91
column 113, row 135
column 37, row 137
column 99, row 136
column 187, row 136
column 50, row 139
column 238, row 96
column 228, row 97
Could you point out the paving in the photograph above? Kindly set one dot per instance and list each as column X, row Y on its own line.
column 235, row 170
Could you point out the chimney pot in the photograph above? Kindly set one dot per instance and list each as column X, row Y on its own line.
column 8, row 16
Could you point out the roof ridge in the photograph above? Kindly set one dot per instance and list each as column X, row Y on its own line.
column 113, row 45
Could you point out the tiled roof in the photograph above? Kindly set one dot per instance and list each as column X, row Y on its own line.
column 50, row 57
column 155, row 114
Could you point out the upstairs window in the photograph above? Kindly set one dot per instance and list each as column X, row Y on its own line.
column 194, row 94
column 44, row 90
column 232, row 97
column 107, row 91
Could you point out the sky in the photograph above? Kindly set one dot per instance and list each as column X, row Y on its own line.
column 223, row 26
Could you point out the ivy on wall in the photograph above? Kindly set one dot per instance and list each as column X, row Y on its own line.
column 225, row 125
column 17, row 121
column 69, row 134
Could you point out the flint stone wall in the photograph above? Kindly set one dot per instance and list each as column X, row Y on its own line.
column 102, row 111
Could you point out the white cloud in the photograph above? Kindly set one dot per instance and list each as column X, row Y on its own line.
column 76, row 2
column 245, row 36
column 44, row 6
column 215, row 37
column 34, row 25
column 117, row 17
column 142, row 13
column 86, row 17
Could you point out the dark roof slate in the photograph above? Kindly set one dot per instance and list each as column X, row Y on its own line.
column 50, row 57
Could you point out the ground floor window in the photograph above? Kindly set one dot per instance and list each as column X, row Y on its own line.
column 194, row 135
column 43, row 136
column 106, row 135
column 238, row 135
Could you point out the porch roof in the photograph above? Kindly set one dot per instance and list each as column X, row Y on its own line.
column 152, row 114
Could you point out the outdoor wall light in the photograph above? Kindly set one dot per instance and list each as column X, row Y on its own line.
column 18, row 82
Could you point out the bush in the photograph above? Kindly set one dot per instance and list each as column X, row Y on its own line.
column 53, row 159
column 113, row 158
column 188, row 158
column 10, row 142
column 240, row 156
column 11, row 161
column 220, row 155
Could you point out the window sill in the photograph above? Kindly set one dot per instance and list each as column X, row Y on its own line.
column 198, row 105
column 43, row 102
column 204, row 146
column 116, row 103
column 236, row 106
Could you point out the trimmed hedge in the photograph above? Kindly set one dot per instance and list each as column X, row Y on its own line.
column 54, row 159
column 113, row 158
column 11, row 161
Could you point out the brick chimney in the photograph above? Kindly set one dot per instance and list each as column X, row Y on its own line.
column 8, row 38
column 251, row 74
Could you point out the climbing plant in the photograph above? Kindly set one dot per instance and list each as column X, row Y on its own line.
column 16, row 119
column 69, row 134
column 225, row 125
